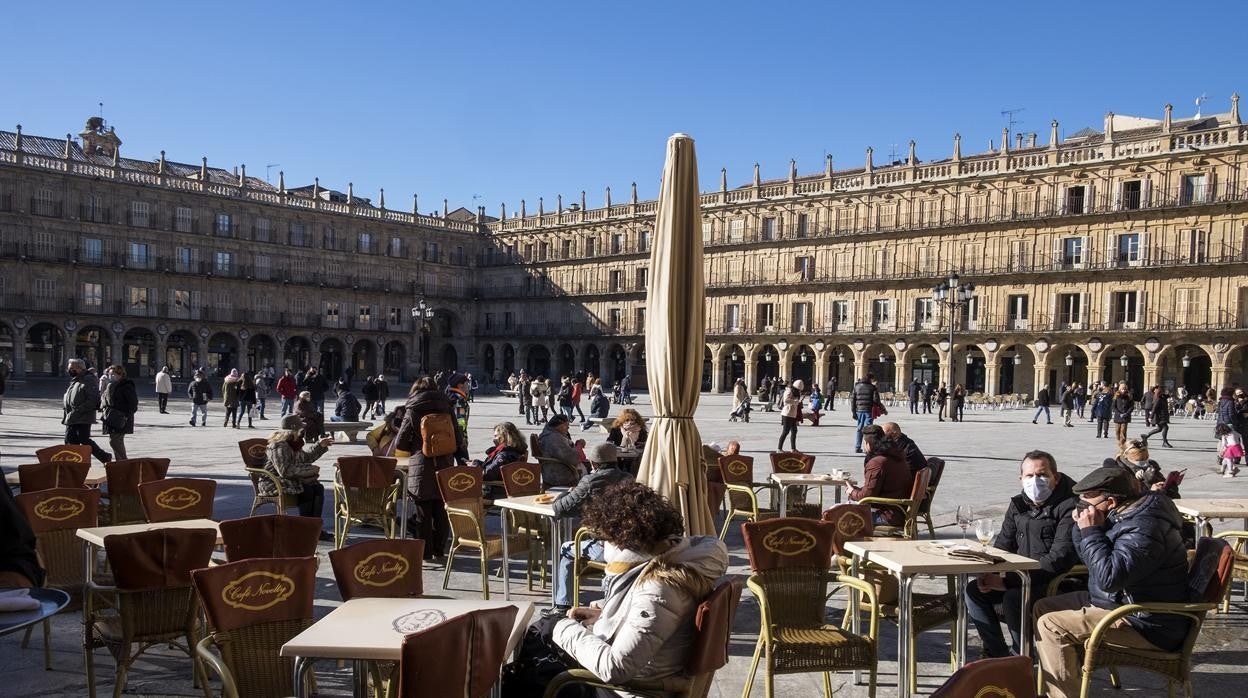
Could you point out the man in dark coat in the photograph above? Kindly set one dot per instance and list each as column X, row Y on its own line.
column 928, row 391
column 863, row 399
column 429, row 522
column 915, row 391
column 347, row 408
column 914, row 457
column 1131, row 541
column 315, row 383
column 1037, row 524
column 886, row 474
column 81, row 400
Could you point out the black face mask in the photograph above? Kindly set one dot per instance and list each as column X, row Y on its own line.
column 1082, row 504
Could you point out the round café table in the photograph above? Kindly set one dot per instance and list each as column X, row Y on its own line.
column 51, row 601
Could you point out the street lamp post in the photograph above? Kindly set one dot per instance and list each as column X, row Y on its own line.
column 421, row 315
column 953, row 295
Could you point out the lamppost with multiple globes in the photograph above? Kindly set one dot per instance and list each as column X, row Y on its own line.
column 954, row 295
column 421, row 315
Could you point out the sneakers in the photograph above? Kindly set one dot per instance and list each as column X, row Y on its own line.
column 556, row 612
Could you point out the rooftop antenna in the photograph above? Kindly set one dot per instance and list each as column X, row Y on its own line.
column 892, row 153
column 268, row 171
column 101, row 110
column 1199, row 101
column 1010, row 121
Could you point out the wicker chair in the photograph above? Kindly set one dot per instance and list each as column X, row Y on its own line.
column 124, row 478
column 33, row 477
column 69, row 453
column 1208, row 577
column 178, row 499
column 742, row 492
column 1240, row 571
column 937, row 466
column 253, row 453
column 366, row 490
column 462, row 656
column 797, row 463
column 152, row 602
column 379, row 569
column 550, row 464
column 461, row 490
column 521, row 479
column 708, row 653
column 790, row 563
column 909, row 508
column 1004, row 677
column 254, row 607
column 55, row 516
column 582, row 564
column 270, row 536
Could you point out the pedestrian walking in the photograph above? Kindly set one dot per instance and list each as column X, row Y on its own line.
column 539, row 392
column 942, row 402
column 790, row 413
column 865, row 400
column 247, row 398
column 764, row 393
column 229, row 396
column 958, row 398
column 383, row 393
column 120, row 402
column 264, row 388
column 287, row 388
column 1230, row 449
column 1159, row 416
column 369, row 390
column 1042, row 405
column 740, row 401
column 914, row 393
column 829, row 395
column 1102, row 411
column 576, row 399
column 164, row 386
column 565, row 397
column 928, row 391
column 1067, row 401
column 80, row 402
column 1081, row 399
column 626, row 390
column 199, row 391
column 1122, row 407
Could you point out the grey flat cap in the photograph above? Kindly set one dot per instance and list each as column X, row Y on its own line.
column 604, row 452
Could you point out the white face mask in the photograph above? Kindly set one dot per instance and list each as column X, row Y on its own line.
column 1037, row 488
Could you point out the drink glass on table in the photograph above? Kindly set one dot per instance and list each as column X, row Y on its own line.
column 985, row 529
column 965, row 517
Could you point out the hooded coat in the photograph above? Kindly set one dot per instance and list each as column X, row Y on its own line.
column 122, row 397
column 646, row 627
column 422, row 474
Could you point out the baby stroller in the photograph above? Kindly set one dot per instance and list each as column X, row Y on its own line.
column 742, row 413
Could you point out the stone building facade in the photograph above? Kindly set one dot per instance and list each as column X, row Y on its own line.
column 1117, row 254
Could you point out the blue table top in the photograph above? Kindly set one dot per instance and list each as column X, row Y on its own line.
column 51, row 601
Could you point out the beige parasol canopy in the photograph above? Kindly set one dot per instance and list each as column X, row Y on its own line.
column 675, row 341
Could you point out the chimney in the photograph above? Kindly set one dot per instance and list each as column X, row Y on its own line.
column 1018, row 141
column 281, row 181
column 1031, row 140
column 1005, row 141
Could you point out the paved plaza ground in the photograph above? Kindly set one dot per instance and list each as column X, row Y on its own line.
column 982, row 454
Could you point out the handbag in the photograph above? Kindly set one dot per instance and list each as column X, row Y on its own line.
column 115, row 420
column 538, row 660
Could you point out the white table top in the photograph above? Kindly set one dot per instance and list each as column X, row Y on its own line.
column 928, row 557
column 528, row 503
column 96, row 476
column 95, row 536
column 373, row 629
column 1213, row 508
column 807, row 479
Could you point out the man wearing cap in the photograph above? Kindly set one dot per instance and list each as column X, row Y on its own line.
column 603, row 459
column 1131, row 541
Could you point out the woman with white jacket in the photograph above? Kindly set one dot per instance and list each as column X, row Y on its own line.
column 540, row 391
column 643, row 627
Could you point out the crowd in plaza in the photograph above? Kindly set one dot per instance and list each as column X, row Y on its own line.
column 1118, row 521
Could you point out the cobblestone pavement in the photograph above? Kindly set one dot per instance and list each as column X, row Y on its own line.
column 982, row 455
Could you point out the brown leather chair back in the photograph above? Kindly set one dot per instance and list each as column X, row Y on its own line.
column 851, row 522
column 1003, row 677
column 260, row 590
column 737, row 470
column 1210, row 571
column 379, row 568
column 789, row 542
column 69, row 453
column 45, row 476
column 713, row 628
column 491, row 628
column 791, row 462
column 918, row 489
column 366, row 471
column 460, row 482
column 270, row 536
column 159, row 559
column 125, row 476
column 60, row 508
column 521, row 478
column 178, row 499
column 937, row 468
column 534, row 448
column 252, row 451
column 435, row 659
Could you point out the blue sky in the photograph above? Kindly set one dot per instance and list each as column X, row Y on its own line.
column 511, row 100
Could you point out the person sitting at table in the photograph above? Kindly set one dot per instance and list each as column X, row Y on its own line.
column 19, row 563
column 555, row 443
column 629, row 433
column 643, row 626
column 886, row 474
column 602, row 474
column 1037, row 524
column 1130, row 541
column 312, row 423
column 599, row 406
column 291, row 459
column 508, row 447
column 347, row 408
column 914, row 457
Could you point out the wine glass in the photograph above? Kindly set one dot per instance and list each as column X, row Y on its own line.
column 965, row 517
column 985, row 529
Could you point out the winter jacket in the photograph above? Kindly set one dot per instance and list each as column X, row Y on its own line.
column 1102, row 406
column 914, row 391
column 915, row 459
column 264, row 386
column 569, row 503
column 230, row 390
column 347, row 407
column 1226, row 413
column 164, row 384
column 492, row 466
column 287, row 388
column 1138, row 556
column 599, row 405
column 290, row 466
column 886, row 474
column 81, row 400
column 317, row 385
column 1161, row 411
column 646, row 627
column 558, row 447
column 1068, row 399
column 370, row 391
column 1042, row 397
column 122, row 397
column 1122, row 407
column 740, row 396
column 792, row 403
column 199, row 391
column 247, row 391
column 17, row 545
column 422, row 477
column 1042, row 532
column 538, row 391
column 383, row 388
column 313, row 421
column 864, row 396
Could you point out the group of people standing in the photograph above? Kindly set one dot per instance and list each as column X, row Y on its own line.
column 538, row 399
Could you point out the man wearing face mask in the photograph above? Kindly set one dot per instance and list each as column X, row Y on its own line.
column 1130, row 540
column 1037, row 524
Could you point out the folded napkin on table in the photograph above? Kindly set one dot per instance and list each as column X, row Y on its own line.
column 966, row 554
column 17, row 600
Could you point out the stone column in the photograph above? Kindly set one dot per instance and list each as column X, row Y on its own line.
column 717, row 371
column 751, row 367
column 1152, row 374
column 19, row 352
column 1221, row 375
column 992, row 370
column 162, row 346
column 117, row 356
column 821, row 368
column 900, row 377
column 782, row 361
column 1041, row 379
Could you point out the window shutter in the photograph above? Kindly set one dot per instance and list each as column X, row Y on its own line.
column 1111, row 247
column 1061, row 202
column 1211, row 187
column 1140, row 298
column 1089, row 198
column 851, row 318
column 1146, row 192
column 1053, row 309
column 1084, row 311
column 1087, row 249
column 1185, row 244
column 1117, row 194
column 1108, row 311
column 1144, row 247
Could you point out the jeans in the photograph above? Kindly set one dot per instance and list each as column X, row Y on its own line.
column 1102, row 427
column 979, row 608
column 1163, row 429
column 1048, row 417
column 80, row 434
column 260, row 406
column 201, row 410
column 864, row 418
column 162, row 399
column 914, row 406
column 337, row 418
column 288, row 406
column 563, row 576
column 117, row 441
column 319, row 406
